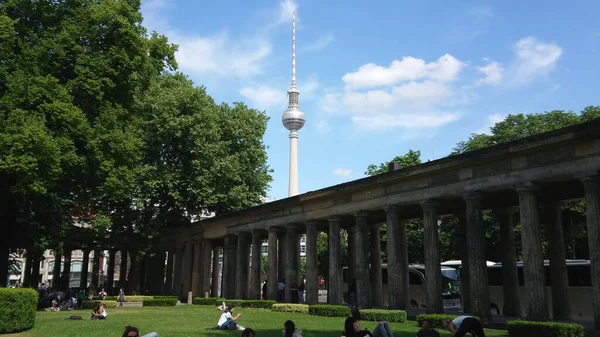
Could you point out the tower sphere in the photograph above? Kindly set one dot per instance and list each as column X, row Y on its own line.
column 293, row 117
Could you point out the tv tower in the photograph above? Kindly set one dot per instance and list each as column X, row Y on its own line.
column 293, row 118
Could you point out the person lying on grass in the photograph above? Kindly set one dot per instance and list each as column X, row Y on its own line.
column 229, row 322
column 248, row 333
column 131, row 331
column 352, row 329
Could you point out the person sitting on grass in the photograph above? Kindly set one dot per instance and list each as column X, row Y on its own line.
column 229, row 322
column 98, row 311
column 352, row 329
column 427, row 330
column 290, row 330
column 248, row 333
column 131, row 331
column 462, row 325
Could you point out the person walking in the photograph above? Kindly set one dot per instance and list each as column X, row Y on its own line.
column 121, row 297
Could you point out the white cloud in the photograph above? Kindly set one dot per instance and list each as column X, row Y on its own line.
column 323, row 126
column 534, row 58
column 264, row 97
column 411, row 94
column 492, row 72
column 342, row 172
column 446, row 68
column 319, row 44
column 219, row 55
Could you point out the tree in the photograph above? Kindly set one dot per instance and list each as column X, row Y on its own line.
column 411, row 158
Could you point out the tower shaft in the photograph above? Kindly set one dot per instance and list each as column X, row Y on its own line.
column 293, row 186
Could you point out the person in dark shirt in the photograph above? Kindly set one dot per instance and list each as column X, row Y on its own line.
column 427, row 330
column 352, row 329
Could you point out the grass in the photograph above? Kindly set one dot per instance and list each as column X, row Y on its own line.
column 188, row 321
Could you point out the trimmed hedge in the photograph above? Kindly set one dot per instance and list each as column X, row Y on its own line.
column 262, row 304
column 169, row 297
column 105, row 304
column 160, row 302
column 17, row 309
column 329, row 310
column 213, row 301
column 288, row 307
column 379, row 315
column 129, row 298
column 436, row 319
column 544, row 329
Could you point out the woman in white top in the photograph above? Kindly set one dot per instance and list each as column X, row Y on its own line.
column 227, row 321
column 290, row 330
column 98, row 312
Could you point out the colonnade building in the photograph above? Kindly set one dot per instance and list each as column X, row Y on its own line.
column 528, row 178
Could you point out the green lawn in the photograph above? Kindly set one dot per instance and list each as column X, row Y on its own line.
column 188, row 321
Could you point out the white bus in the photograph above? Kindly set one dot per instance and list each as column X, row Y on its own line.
column 417, row 291
column 580, row 288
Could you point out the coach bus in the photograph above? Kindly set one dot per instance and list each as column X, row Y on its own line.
column 580, row 288
column 417, row 291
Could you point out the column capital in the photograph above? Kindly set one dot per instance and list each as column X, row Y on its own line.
column 312, row 223
column 376, row 226
column 292, row 226
column 590, row 178
column 392, row 208
column 361, row 214
column 334, row 219
column 257, row 231
column 473, row 195
column 528, row 188
column 275, row 229
column 429, row 204
column 243, row 235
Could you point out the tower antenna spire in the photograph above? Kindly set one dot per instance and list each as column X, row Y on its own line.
column 294, row 49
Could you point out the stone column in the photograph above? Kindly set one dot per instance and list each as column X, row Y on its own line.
column 312, row 276
column 85, row 265
column 168, row 286
column 478, row 274
column 66, row 273
column 281, row 256
column 592, row 209
column 351, row 231
column 229, row 266
column 377, row 277
column 291, row 236
column 35, row 270
column 177, row 280
column 256, row 268
column 510, row 276
column 334, row 289
column 561, row 303
column 214, row 283
column 465, row 282
column 363, row 282
column 533, row 259
column 397, row 257
column 433, row 280
column 206, row 265
column 110, row 272
column 56, row 271
column 123, row 270
column 272, row 261
column 197, row 269
column 27, row 268
column 242, row 266
column 95, row 268
column 298, row 266
column 186, row 276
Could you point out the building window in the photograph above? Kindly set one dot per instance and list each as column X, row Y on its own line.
column 302, row 249
column 264, row 249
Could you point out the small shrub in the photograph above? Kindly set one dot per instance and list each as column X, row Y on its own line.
column 161, row 302
column 134, row 298
column 105, row 304
column 212, row 301
column 436, row 319
column 288, row 307
column 378, row 315
column 329, row 310
column 544, row 329
column 169, row 297
column 263, row 304
column 237, row 303
column 17, row 309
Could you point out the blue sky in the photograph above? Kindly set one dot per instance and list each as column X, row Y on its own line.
column 380, row 78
